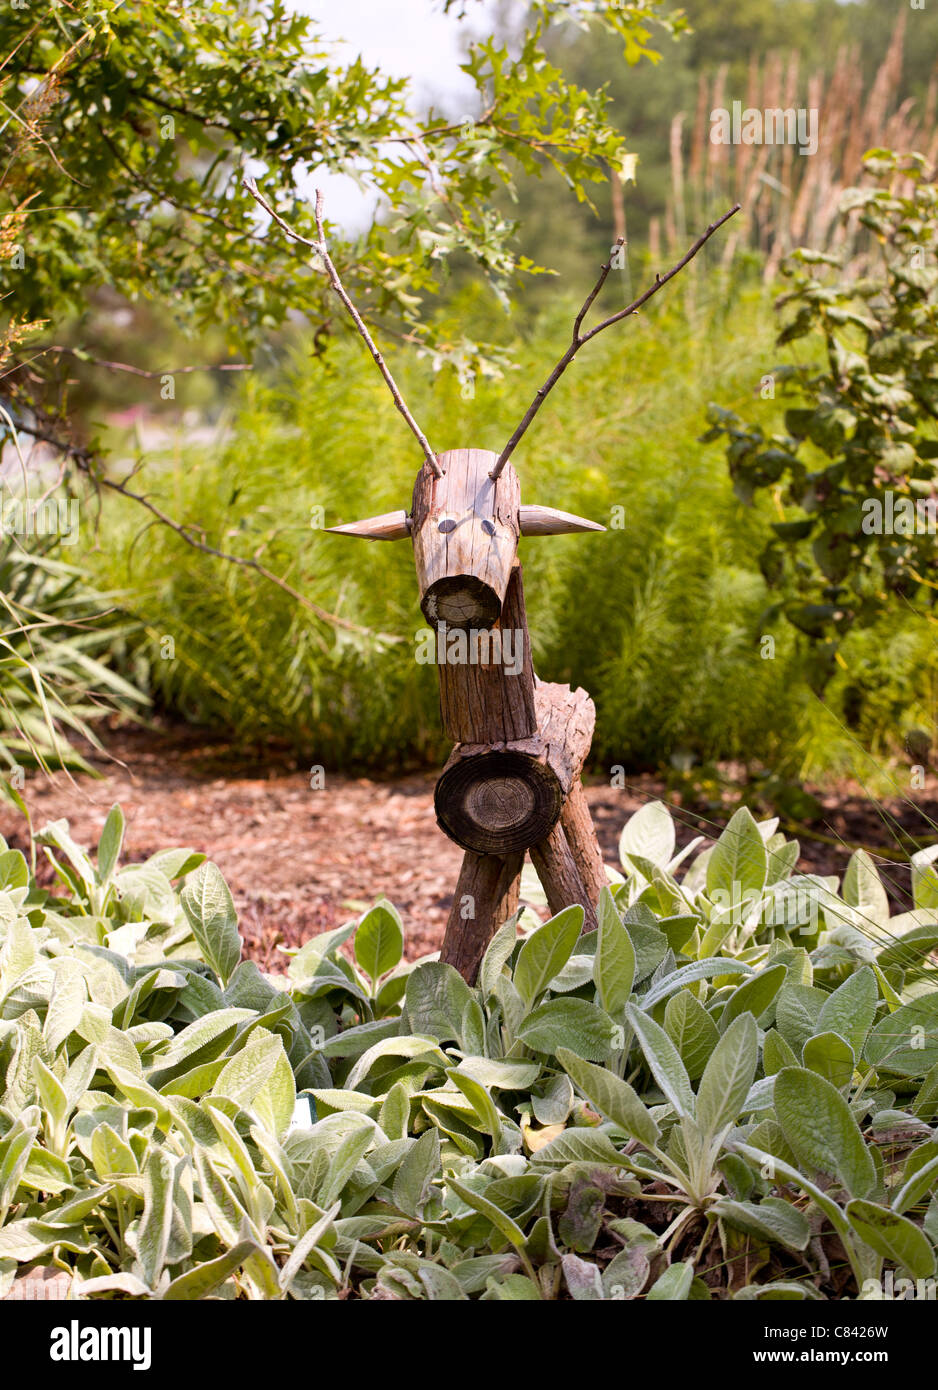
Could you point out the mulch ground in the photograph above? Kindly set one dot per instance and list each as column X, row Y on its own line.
column 299, row 861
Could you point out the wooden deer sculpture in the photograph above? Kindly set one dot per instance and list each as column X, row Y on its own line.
column 512, row 782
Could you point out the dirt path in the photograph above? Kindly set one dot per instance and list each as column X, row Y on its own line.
column 300, row 861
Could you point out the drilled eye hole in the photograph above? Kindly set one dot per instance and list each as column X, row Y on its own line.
column 447, row 525
column 488, row 528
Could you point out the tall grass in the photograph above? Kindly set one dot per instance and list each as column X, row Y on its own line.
column 787, row 200
column 662, row 619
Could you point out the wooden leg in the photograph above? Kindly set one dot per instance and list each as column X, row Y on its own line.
column 560, row 878
column 581, row 837
column 486, row 895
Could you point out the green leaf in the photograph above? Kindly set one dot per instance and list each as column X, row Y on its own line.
column 797, row 1009
column 344, row 1162
column 203, row 1040
column 688, row 974
column 611, row 1096
column 436, row 1001
column 863, row 890
column 66, row 1002
column 664, row 1061
column 771, row 1219
column 614, row 965
column 819, row 1127
column 205, row 1278
column 413, row 1045
column 779, row 1290
column 755, row 995
column 915, row 1186
column 51, row 1093
column 156, row 1222
column 738, row 862
column 110, row 1154
column 481, row 1102
column 650, row 834
column 56, row 833
column 728, row 1076
column 497, row 955
column 413, row 1181
column 109, row 845
column 499, row 1219
column 894, row 1237
column 851, row 1008
column 776, row 1053
column 925, row 878
column 500, row 1075
column 260, row 1078
column 906, row 1042
column 208, row 904
column 782, row 1172
column 674, row 1284
column 305, row 1246
column 546, row 952
column 14, row 1156
column 379, row 941
column 573, row 1023
column 830, row 1056
column 692, row 1031
column 578, row 1146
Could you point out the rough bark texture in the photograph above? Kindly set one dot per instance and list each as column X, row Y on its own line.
column 465, row 532
column 560, row 879
column 502, row 796
column 489, row 886
column 581, row 837
column 484, row 702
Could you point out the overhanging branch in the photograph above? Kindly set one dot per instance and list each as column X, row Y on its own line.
column 580, row 338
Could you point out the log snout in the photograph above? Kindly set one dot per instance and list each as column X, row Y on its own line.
column 465, row 529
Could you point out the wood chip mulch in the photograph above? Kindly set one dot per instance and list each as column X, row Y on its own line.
column 299, row 861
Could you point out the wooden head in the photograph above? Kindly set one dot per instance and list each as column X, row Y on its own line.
column 465, row 528
column 465, row 525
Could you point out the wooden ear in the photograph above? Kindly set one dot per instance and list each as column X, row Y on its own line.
column 548, row 521
column 391, row 526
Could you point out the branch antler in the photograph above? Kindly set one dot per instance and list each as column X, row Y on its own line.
column 322, row 251
column 579, row 338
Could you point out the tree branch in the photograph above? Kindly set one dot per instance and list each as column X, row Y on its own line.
column 580, row 338
column 82, row 356
column 322, row 251
column 85, row 460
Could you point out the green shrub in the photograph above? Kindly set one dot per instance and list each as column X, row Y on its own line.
column 738, row 1054
column 55, row 678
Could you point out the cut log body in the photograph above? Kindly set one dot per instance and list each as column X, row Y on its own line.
column 491, row 700
column 486, row 896
column 502, row 798
column 465, row 531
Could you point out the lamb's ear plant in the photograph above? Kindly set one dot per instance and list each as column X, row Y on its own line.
column 174, row 1123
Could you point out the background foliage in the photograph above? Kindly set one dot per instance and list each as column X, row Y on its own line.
column 662, row 620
